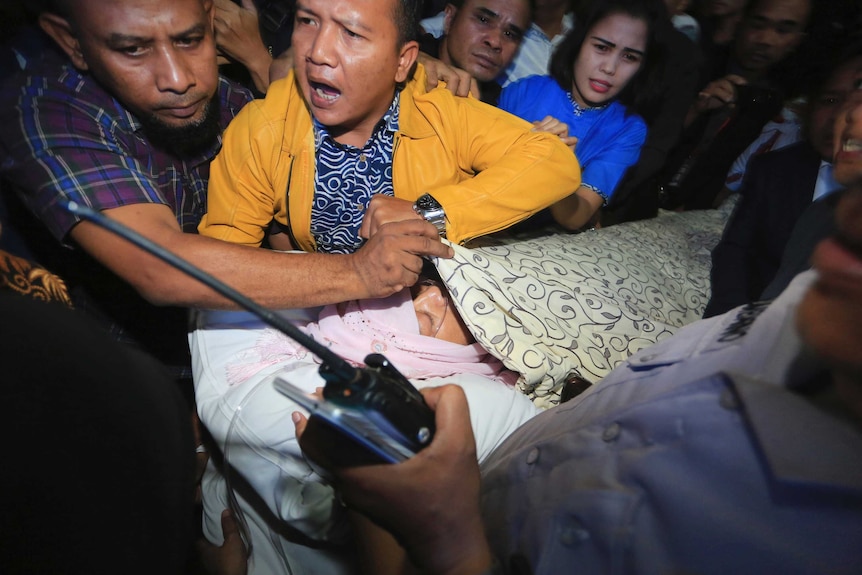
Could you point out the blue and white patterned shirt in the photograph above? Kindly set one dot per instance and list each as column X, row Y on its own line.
column 345, row 180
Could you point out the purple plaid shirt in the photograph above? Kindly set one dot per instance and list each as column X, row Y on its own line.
column 66, row 138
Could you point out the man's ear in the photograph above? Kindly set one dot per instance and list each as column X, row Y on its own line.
column 61, row 31
column 450, row 10
column 406, row 58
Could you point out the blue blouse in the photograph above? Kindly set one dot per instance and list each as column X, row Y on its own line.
column 609, row 141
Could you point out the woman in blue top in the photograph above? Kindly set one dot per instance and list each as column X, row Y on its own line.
column 602, row 73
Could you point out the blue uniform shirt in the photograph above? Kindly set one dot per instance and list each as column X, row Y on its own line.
column 670, row 466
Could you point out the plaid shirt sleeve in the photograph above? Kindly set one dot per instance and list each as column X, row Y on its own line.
column 67, row 142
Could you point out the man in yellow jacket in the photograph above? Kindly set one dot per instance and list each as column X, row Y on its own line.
column 351, row 144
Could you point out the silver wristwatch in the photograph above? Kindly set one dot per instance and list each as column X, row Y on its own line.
column 430, row 209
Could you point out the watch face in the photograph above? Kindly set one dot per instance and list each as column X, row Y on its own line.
column 426, row 202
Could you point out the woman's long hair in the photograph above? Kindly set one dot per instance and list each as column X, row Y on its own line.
column 642, row 93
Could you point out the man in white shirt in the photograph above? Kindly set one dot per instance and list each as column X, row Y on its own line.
column 551, row 22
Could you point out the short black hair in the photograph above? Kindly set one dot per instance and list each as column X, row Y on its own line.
column 407, row 15
column 836, row 59
column 59, row 7
column 642, row 93
column 750, row 5
column 531, row 4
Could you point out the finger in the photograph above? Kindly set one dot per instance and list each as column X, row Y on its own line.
column 229, row 527
column 464, row 85
column 365, row 230
column 453, row 83
column 431, row 248
column 713, row 96
column 249, row 5
column 300, row 422
column 227, row 7
column 411, row 227
column 544, row 122
column 736, row 79
column 432, row 395
column 570, row 141
column 431, row 78
column 474, row 88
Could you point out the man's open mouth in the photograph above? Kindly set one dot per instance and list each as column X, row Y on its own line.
column 324, row 91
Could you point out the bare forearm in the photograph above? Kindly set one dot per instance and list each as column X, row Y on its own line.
column 576, row 210
column 464, row 552
column 258, row 69
column 273, row 279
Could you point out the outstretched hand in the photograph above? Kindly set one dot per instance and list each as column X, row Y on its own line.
column 383, row 209
column 230, row 558
column 430, row 502
column 237, row 34
column 719, row 93
column 391, row 259
column 458, row 81
column 554, row 126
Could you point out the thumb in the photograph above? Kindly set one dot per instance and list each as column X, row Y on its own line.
column 299, row 422
column 229, row 527
column 474, row 88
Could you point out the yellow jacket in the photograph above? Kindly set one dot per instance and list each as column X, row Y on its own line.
column 486, row 167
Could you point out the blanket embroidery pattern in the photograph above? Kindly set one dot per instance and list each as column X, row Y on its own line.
column 551, row 306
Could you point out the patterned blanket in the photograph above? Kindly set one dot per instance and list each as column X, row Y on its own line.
column 564, row 304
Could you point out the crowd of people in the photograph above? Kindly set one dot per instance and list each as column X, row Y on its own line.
column 319, row 155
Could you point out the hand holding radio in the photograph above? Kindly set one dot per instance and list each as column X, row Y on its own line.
column 429, row 502
column 373, row 416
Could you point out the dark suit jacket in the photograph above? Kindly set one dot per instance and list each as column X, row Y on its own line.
column 636, row 196
column 816, row 223
column 778, row 187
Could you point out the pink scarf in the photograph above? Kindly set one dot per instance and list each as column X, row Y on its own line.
column 387, row 326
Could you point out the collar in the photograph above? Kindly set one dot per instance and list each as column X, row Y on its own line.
column 567, row 23
column 576, row 108
column 786, row 426
column 825, row 183
column 388, row 122
column 412, row 121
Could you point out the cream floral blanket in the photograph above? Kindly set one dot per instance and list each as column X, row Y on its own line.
column 582, row 303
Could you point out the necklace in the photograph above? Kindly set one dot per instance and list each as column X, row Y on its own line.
column 577, row 107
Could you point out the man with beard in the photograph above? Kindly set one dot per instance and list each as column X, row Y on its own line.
column 127, row 122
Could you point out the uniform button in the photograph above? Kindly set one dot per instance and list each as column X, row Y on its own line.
column 533, row 456
column 611, row 432
column 573, row 535
column 362, row 157
column 360, row 207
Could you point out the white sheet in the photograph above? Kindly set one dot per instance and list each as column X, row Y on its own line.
column 251, row 421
